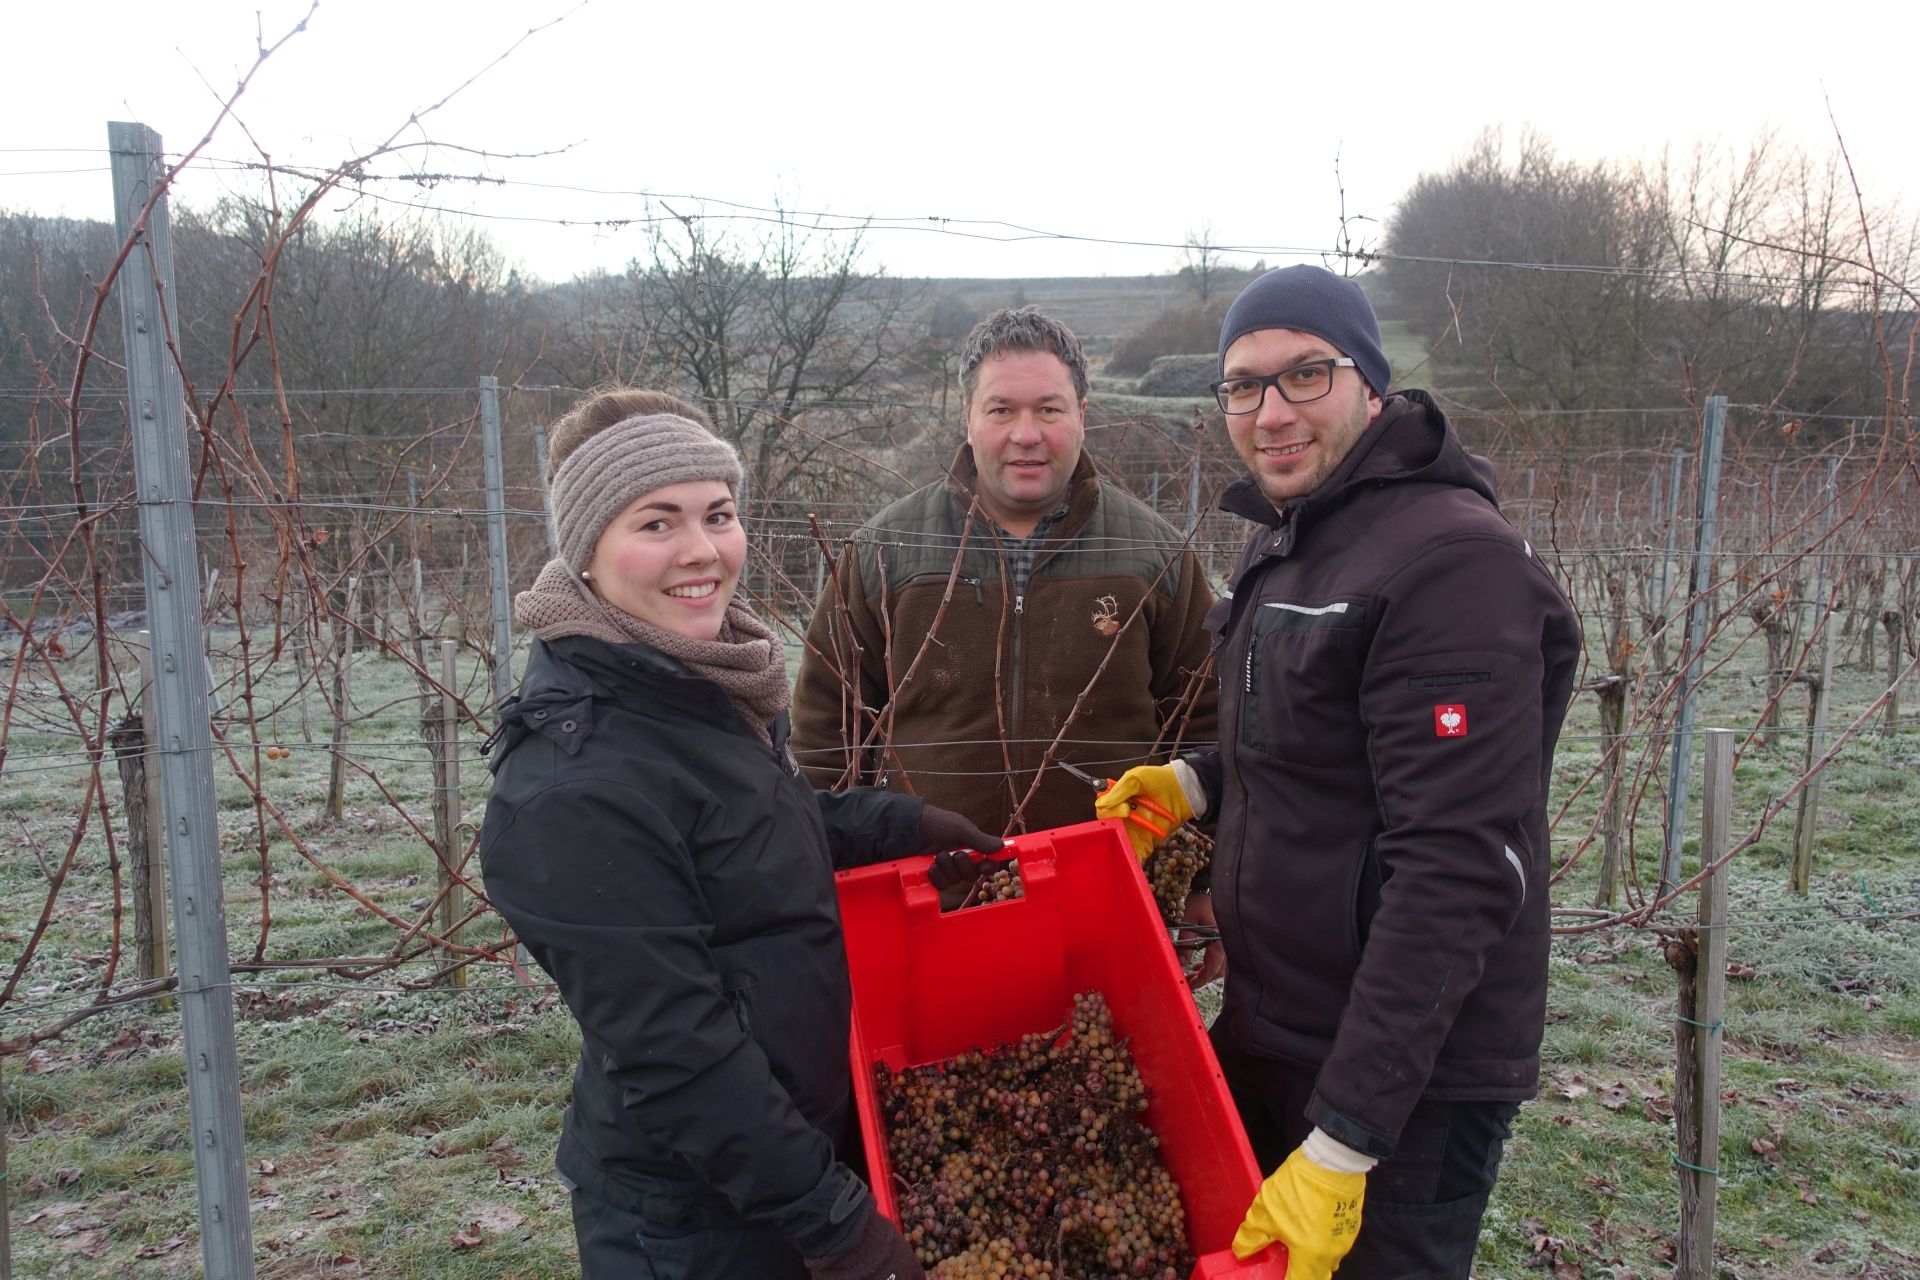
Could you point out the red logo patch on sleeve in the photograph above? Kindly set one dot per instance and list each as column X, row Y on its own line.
column 1450, row 720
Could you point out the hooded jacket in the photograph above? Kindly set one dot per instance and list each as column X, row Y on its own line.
column 1396, row 664
column 674, row 875
column 1112, row 609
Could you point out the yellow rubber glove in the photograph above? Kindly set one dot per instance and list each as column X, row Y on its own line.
column 1313, row 1210
column 1155, row 782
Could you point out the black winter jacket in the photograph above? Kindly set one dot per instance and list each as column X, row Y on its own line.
column 1395, row 666
column 673, row 875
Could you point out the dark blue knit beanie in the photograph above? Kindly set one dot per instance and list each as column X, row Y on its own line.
column 1316, row 301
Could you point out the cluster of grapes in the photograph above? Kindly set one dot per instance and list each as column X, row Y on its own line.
column 1172, row 866
column 1030, row 1161
column 1002, row 884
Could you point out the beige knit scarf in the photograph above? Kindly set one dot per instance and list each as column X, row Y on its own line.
column 745, row 659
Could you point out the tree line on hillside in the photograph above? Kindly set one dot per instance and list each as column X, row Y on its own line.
column 332, row 368
column 378, row 329
column 1540, row 282
column 1535, row 282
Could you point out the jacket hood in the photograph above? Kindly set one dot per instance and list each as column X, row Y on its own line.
column 574, row 667
column 1410, row 441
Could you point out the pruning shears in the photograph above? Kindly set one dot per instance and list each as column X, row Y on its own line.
column 1194, row 937
column 1104, row 785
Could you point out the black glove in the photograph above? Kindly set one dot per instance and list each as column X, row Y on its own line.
column 942, row 829
column 879, row 1252
column 954, row 867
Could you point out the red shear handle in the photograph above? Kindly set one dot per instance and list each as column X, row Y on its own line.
column 1143, row 801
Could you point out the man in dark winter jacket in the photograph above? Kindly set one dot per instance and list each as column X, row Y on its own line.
column 1396, row 664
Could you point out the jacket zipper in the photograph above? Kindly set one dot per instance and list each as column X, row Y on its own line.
column 1250, row 718
column 1013, row 719
column 1019, row 635
column 1230, row 916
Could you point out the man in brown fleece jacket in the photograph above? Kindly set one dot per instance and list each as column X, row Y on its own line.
column 1015, row 613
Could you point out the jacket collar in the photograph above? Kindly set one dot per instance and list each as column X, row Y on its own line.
column 565, row 676
column 1083, row 490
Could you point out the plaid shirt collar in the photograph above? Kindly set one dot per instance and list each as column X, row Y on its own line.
column 1019, row 552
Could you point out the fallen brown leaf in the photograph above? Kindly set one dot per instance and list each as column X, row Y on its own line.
column 493, row 1219
column 88, row 1244
column 160, row 1250
column 63, row 1209
column 128, row 1043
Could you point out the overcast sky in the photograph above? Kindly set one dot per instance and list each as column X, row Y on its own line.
column 1119, row 122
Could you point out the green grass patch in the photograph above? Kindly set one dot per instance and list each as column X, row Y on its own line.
column 395, row 1132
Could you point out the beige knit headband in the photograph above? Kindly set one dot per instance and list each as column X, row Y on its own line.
column 628, row 460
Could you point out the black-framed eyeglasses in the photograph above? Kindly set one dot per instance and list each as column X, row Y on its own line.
column 1298, row 385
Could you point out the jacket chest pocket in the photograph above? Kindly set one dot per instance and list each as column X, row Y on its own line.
column 1299, row 680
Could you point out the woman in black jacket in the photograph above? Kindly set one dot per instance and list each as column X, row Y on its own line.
column 652, row 844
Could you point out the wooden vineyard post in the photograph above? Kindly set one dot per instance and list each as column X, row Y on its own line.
column 1699, row 956
column 446, row 806
column 1807, row 816
column 132, row 742
column 342, row 692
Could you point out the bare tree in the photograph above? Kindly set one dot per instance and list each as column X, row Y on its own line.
column 1628, row 285
column 786, row 336
column 1202, row 263
column 1552, row 337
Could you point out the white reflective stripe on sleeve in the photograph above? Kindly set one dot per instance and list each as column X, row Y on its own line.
column 1339, row 606
column 1518, row 870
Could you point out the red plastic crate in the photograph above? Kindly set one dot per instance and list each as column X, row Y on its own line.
column 1087, row 922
